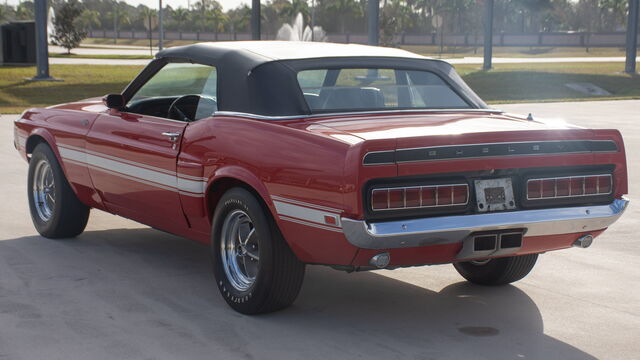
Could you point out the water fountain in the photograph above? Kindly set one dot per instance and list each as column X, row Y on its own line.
column 50, row 29
column 297, row 31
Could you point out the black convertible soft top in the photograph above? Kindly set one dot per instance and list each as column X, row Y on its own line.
column 259, row 77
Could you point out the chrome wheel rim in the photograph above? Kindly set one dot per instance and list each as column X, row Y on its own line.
column 239, row 250
column 44, row 195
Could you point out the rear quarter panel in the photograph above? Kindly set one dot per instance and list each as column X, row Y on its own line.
column 298, row 174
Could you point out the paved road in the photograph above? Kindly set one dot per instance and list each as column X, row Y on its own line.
column 81, row 61
column 104, row 50
column 123, row 291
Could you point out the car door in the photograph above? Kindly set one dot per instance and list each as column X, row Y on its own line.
column 133, row 153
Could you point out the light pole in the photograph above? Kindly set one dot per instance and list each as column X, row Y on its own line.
column 116, row 13
column 255, row 19
column 632, row 37
column 374, row 21
column 42, row 50
column 488, row 34
column 160, row 28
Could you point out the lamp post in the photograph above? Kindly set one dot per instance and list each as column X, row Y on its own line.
column 42, row 50
column 255, row 19
column 632, row 37
column 374, row 21
column 116, row 13
column 160, row 27
column 488, row 34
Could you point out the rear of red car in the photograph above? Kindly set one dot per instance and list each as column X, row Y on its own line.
column 470, row 186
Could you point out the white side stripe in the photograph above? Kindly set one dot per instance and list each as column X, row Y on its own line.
column 310, row 224
column 297, row 202
column 304, row 213
column 131, row 162
column 308, row 214
column 126, row 169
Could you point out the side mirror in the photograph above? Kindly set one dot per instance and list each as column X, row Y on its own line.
column 114, row 101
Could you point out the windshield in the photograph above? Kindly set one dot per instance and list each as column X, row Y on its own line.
column 348, row 89
column 178, row 79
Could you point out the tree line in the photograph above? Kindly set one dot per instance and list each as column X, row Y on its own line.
column 349, row 16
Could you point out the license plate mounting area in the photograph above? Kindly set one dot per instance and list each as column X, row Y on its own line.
column 494, row 195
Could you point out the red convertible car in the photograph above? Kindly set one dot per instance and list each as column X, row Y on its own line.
column 282, row 154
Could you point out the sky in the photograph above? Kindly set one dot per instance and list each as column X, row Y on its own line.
column 226, row 4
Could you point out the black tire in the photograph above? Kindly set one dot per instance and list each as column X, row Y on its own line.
column 279, row 272
column 68, row 216
column 498, row 271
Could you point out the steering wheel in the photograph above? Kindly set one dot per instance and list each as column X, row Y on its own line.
column 196, row 102
column 174, row 111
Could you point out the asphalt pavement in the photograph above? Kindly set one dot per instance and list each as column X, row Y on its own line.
column 124, row 291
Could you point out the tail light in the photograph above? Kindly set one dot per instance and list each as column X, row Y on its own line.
column 414, row 197
column 572, row 186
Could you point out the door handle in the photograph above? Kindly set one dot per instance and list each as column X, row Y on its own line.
column 173, row 136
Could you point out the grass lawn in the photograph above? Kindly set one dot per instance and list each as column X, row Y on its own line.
column 80, row 56
column 546, row 82
column 80, row 82
column 515, row 52
column 505, row 83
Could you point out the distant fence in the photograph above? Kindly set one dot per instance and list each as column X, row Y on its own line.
column 581, row 39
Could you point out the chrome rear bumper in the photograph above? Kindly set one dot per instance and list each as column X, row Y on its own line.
column 453, row 229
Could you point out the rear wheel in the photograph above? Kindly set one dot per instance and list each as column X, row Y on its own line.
column 498, row 271
column 255, row 269
column 55, row 210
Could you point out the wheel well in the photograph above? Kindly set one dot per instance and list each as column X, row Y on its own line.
column 32, row 142
column 221, row 186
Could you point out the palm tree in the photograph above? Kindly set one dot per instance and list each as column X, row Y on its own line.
column 202, row 7
column 89, row 19
column 180, row 15
column 216, row 19
column 118, row 17
column 534, row 8
column 291, row 9
column 24, row 11
column 239, row 18
column 147, row 15
column 344, row 9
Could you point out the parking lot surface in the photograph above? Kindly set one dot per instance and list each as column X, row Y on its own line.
column 124, row 291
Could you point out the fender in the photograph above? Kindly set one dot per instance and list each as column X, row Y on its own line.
column 50, row 140
column 242, row 174
column 86, row 194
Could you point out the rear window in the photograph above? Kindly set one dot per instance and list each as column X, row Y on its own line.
column 376, row 89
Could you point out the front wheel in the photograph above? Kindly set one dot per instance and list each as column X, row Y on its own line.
column 55, row 209
column 255, row 270
column 498, row 271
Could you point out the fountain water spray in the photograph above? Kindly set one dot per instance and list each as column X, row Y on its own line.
column 297, row 31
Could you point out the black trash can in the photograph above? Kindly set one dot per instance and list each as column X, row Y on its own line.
column 18, row 42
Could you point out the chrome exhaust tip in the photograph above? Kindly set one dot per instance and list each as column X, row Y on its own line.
column 584, row 241
column 381, row 260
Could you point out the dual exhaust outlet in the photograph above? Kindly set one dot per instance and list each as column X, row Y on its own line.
column 485, row 244
column 502, row 243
